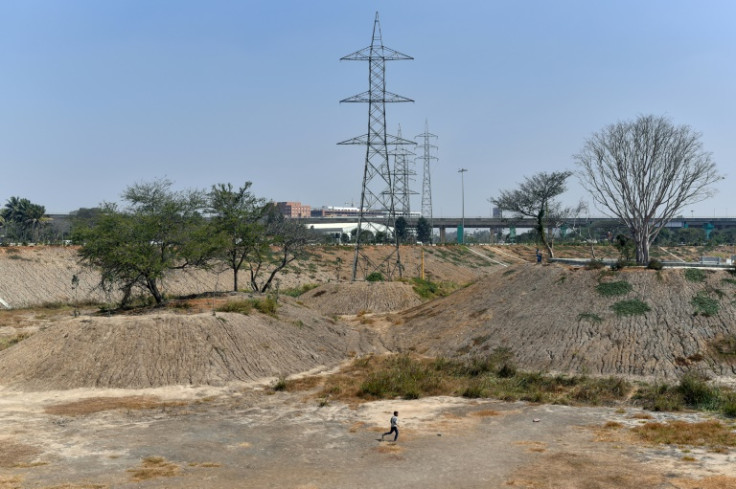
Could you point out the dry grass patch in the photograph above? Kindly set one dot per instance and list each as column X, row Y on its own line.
column 11, row 482
column 77, row 486
column 98, row 404
column 571, row 470
column 153, row 467
column 390, row 448
column 533, row 446
column 642, row 416
column 485, row 413
column 712, row 434
column 712, row 482
column 13, row 454
column 205, row 464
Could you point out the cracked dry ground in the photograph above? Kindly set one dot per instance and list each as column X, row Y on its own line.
column 244, row 437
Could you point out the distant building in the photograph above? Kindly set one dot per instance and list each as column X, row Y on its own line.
column 294, row 210
column 497, row 213
column 329, row 211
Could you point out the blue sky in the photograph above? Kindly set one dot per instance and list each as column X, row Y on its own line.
column 95, row 96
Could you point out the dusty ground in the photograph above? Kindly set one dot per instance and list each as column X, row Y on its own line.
column 180, row 397
column 240, row 436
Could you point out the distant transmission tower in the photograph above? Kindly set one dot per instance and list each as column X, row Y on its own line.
column 377, row 194
column 427, row 179
column 403, row 175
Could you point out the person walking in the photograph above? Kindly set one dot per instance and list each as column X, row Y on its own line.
column 394, row 426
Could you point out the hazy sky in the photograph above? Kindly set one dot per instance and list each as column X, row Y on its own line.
column 97, row 95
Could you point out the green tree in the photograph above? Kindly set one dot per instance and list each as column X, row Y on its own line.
column 401, row 229
column 424, row 230
column 25, row 218
column 237, row 220
column 644, row 172
column 535, row 198
column 159, row 231
column 285, row 240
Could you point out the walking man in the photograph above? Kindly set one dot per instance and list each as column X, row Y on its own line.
column 394, row 426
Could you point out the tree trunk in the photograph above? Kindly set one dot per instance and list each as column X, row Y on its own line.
column 235, row 279
column 153, row 288
column 543, row 234
column 641, row 239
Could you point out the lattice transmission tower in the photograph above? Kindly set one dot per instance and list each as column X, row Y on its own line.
column 377, row 194
column 403, row 176
column 427, row 158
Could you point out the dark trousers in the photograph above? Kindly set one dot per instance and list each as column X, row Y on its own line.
column 394, row 429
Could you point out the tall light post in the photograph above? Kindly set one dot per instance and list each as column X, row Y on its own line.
column 461, row 234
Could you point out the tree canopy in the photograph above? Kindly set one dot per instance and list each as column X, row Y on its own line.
column 535, row 198
column 644, row 172
column 134, row 247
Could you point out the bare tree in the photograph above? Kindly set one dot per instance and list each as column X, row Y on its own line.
column 535, row 198
column 644, row 172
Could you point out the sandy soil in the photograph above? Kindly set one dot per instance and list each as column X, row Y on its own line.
column 239, row 436
column 180, row 398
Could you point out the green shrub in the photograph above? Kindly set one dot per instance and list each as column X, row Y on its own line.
column 589, row 316
column 608, row 289
column 594, row 265
column 695, row 275
column 659, row 397
column 280, row 384
column 705, row 305
column 297, row 291
column 655, row 265
column 266, row 305
column 632, row 307
column 697, row 393
column 475, row 390
column 424, row 288
column 375, row 277
column 239, row 306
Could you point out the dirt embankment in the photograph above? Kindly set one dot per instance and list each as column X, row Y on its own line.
column 554, row 318
column 170, row 348
column 31, row 276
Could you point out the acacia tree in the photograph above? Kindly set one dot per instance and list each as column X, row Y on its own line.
column 237, row 220
column 535, row 198
column 644, row 172
column 285, row 241
column 136, row 247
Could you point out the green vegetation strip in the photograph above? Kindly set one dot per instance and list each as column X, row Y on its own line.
column 608, row 289
column 494, row 376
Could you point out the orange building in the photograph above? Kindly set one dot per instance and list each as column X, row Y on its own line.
column 294, row 210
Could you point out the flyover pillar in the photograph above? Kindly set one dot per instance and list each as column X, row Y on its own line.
column 442, row 234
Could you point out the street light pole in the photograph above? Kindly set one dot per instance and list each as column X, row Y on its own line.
column 462, row 171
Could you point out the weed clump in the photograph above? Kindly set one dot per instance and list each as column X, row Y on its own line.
column 695, row 275
column 608, row 289
column 704, row 305
column 297, row 291
column 633, row 307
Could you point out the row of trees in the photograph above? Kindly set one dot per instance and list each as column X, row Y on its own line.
column 643, row 172
column 161, row 230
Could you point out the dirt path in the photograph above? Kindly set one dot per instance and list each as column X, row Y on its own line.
column 241, row 437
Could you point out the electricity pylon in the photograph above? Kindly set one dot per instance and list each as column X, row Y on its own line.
column 403, row 175
column 377, row 194
column 427, row 179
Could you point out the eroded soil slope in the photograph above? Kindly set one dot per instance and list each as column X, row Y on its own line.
column 361, row 297
column 166, row 348
column 554, row 318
